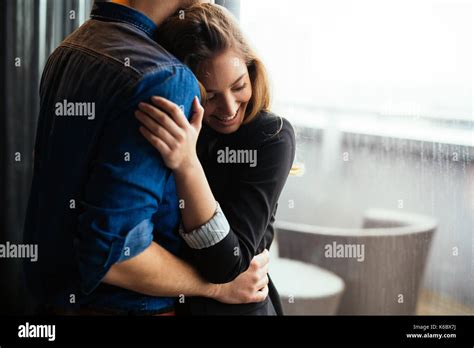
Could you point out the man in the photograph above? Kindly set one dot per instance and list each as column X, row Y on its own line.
column 103, row 207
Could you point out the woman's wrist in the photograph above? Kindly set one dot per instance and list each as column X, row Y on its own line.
column 188, row 167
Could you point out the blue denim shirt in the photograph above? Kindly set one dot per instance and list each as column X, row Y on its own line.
column 100, row 192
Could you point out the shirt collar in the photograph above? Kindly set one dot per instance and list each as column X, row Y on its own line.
column 115, row 12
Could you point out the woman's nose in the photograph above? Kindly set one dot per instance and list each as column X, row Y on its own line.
column 228, row 106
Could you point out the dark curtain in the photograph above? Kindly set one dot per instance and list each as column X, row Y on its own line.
column 30, row 30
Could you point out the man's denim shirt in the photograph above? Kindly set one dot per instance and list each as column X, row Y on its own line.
column 101, row 193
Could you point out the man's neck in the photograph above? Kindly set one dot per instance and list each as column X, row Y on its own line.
column 156, row 10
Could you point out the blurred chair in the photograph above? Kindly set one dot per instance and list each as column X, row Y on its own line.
column 306, row 289
column 388, row 279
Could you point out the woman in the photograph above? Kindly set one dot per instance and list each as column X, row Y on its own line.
column 229, row 187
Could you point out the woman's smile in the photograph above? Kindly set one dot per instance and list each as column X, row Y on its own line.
column 227, row 121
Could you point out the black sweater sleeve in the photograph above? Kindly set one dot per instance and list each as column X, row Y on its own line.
column 250, row 207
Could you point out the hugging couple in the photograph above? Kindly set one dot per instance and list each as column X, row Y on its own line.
column 132, row 211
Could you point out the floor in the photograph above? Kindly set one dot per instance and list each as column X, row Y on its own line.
column 430, row 303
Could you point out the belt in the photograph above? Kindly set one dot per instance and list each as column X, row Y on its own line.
column 88, row 311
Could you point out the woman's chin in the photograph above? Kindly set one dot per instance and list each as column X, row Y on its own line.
column 223, row 127
column 226, row 130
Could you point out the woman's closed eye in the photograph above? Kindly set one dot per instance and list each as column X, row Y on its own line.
column 212, row 95
column 239, row 88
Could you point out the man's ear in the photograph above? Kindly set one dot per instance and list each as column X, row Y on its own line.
column 122, row 2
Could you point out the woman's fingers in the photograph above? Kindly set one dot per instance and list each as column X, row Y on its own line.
column 162, row 118
column 171, row 109
column 175, row 132
column 159, row 144
column 155, row 129
column 198, row 113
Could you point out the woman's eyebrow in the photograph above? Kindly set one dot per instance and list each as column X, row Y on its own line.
column 240, row 78
column 233, row 83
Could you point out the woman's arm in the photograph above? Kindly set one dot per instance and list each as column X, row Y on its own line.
column 175, row 138
column 222, row 257
column 254, row 199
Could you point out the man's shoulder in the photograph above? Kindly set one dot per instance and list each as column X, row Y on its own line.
column 121, row 60
column 122, row 47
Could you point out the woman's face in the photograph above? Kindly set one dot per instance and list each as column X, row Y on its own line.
column 226, row 80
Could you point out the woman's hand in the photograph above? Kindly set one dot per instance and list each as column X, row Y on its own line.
column 174, row 137
column 168, row 130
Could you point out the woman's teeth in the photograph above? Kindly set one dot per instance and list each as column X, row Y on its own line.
column 225, row 119
column 228, row 121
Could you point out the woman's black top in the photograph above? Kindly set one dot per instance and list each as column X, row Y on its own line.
column 246, row 171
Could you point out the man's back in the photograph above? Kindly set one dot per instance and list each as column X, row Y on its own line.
column 100, row 192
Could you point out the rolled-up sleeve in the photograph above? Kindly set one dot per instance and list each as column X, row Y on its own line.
column 210, row 233
column 126, row 182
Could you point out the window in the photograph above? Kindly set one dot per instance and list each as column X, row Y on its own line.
column 379, row 67
column 380, row 93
